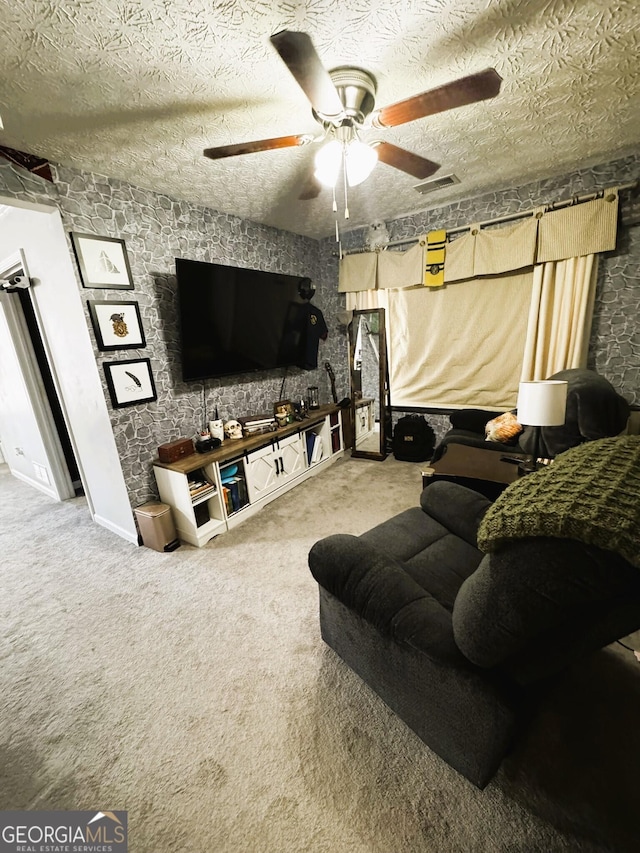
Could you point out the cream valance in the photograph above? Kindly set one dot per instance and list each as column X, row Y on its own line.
column 583, row 229
column 505, row 249
column 400, row 269
column 358, row 272
column 494, row 252
column 580, row 229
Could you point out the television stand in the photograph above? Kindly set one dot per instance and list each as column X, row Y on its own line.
column 210, row 493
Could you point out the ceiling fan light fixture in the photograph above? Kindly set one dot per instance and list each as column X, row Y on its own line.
column 360, row 161
column 328, row 161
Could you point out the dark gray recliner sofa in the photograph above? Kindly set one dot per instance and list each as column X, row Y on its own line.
column 453, row 639
column 594, row 410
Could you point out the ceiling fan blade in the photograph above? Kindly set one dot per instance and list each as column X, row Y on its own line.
column 467, row 90
column 299, row 55
column 311, row 189
column 404, row 160
column 259, row 145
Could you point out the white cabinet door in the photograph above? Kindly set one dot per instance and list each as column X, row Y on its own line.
column 292, row 460
column 271, row 467
column 260, row 468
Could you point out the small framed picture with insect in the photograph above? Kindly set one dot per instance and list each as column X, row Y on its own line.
column 130, row 382
column 117, row 325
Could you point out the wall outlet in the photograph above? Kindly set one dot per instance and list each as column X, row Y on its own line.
column 41, row 473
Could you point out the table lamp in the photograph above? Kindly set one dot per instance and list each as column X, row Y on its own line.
column 541, row 403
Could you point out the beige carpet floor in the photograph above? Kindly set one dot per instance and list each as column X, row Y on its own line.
column 193, row 690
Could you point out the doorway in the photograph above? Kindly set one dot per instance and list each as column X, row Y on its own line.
column 43, row 442
column 50, row 392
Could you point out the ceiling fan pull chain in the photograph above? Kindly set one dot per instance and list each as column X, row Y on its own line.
column 344, row 181
column 335, row 203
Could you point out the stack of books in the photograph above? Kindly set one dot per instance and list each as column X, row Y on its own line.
column 315, row 449
column 235, row 494
column 258, row 424
column 199, row 487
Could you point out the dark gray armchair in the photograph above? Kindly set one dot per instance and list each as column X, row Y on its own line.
column 453, row 639
column 594, row 410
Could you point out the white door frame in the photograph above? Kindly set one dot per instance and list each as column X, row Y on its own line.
column 61, row 316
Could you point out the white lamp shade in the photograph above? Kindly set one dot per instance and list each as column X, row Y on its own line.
column 361, row 160
column 327, row 162
column 542, row 403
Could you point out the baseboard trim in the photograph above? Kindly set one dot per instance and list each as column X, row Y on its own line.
column 119, row 531
column 41, row 487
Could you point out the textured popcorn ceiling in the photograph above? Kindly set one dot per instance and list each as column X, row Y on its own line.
column 136, row 89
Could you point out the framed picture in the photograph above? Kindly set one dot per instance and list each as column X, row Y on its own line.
column 130, row 382
column 102, row 261
column 117, row 325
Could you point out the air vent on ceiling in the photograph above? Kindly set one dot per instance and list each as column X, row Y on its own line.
column 434, row 184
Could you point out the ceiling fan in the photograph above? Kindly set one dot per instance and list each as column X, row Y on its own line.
column 343, row 101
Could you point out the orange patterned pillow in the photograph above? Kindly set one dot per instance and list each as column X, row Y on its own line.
column 504, row 428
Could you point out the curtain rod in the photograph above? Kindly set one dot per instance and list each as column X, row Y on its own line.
column 555, row 205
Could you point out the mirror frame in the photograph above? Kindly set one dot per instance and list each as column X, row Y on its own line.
column 382, row 384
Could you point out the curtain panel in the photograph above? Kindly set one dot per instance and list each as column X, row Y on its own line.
column 560, row 315
column 449, row 349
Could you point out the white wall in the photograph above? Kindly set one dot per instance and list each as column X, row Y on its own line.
column 38, row 231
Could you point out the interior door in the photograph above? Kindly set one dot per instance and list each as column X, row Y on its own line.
column 63, row 324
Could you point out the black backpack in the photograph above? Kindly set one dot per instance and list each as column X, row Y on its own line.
column 413, row 439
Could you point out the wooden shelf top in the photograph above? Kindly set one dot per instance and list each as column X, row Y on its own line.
column 233, row 448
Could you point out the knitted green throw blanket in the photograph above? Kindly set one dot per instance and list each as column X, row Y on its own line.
column 590, row 493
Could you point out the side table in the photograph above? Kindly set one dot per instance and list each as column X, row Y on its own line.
column 486, row 471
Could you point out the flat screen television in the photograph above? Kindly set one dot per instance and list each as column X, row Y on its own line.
column 235, row 320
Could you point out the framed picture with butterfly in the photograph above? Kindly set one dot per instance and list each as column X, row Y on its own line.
column 130, row 382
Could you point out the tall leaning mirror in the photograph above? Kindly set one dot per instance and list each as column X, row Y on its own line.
column 368, row 369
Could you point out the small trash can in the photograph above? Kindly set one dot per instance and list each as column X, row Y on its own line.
column 156, row 527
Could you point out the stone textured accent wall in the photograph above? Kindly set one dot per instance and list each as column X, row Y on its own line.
column 157, row 229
